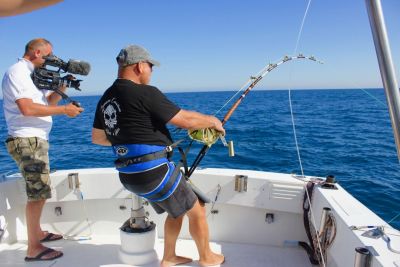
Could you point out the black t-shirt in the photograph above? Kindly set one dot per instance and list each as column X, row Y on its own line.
column 131, row 113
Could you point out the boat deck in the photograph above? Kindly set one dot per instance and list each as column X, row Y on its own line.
column 103, row 251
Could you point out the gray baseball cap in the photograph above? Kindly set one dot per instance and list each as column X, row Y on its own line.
column 133, row 54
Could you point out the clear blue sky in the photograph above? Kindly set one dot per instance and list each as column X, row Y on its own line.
column 211, row 44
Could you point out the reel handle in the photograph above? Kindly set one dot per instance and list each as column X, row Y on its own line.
column 76, row 103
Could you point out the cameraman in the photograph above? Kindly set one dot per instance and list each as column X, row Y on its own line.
column 28, row 112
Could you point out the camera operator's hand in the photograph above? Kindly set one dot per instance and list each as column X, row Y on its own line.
column 71, row 110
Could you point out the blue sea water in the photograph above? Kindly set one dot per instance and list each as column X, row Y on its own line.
column 345, row 133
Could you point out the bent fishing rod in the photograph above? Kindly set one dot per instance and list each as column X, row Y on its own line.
column 253, row 81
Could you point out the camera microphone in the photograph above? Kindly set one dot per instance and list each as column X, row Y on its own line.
column 50, row 79
column 72, row 66
column 77, row 67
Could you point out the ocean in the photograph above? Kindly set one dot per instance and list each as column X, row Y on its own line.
column 345, row 133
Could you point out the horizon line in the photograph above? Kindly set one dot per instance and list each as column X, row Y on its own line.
column 229, row 90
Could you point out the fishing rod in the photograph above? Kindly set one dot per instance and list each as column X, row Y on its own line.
column 254, row 80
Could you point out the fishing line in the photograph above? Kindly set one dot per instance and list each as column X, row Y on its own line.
column 79, row 193
column 290, row 97
column 295, row 137
column 245, row 85
column 296, row 142
column 230, row 99
column 393, row 218
column 264, row 71
column 358, row 87
column 380, row 102
column 374, row 97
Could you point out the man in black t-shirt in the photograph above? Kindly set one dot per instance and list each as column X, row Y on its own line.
column 131, row 117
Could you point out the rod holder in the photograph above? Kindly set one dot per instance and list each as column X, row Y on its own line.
column 362, row 258
column 324, row 216
column 241, row 183
column 77, row 183
column 73, row 178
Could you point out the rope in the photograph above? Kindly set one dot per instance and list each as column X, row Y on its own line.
column 387, row 239
column 380, row 232
column 328, row 235
column 318, row 241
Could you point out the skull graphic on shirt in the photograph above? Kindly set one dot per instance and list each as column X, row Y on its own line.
column 110, row 116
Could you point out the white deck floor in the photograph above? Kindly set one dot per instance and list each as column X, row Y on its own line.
column 103, row 251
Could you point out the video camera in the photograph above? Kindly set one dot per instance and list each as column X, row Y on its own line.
column 49, row 79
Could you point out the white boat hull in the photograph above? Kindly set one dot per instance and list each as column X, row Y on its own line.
column 90, row 209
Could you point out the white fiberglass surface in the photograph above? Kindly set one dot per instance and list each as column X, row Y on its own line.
column 103, row 251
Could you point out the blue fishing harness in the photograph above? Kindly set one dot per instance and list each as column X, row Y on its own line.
column 137, row 158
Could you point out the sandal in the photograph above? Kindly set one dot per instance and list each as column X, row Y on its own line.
column 39, row 257
column 51, row 237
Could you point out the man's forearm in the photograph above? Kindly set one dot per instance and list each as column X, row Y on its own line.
column 39, row 110
column 193, row 120
column 54, row 97
column 99, row 137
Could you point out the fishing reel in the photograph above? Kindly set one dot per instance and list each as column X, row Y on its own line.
column 205, row 136
column 209, row 137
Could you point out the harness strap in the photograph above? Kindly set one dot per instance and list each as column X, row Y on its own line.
column 124, row 162
column 184, row 160
column 166, row 187
column 170, row 183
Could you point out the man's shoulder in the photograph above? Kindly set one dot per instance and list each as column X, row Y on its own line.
column 17, row 79
column 105, row 95
column 134, row 89
column 146, row 87
column 125, row 90
column 17, row 68
column 151, row 90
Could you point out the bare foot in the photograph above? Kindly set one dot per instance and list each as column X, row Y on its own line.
column 176, row 260
column 212, row 260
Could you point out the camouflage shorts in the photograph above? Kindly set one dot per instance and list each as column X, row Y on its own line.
column 31, row 156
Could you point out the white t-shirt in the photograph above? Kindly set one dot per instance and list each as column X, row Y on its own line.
column 17, row 83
